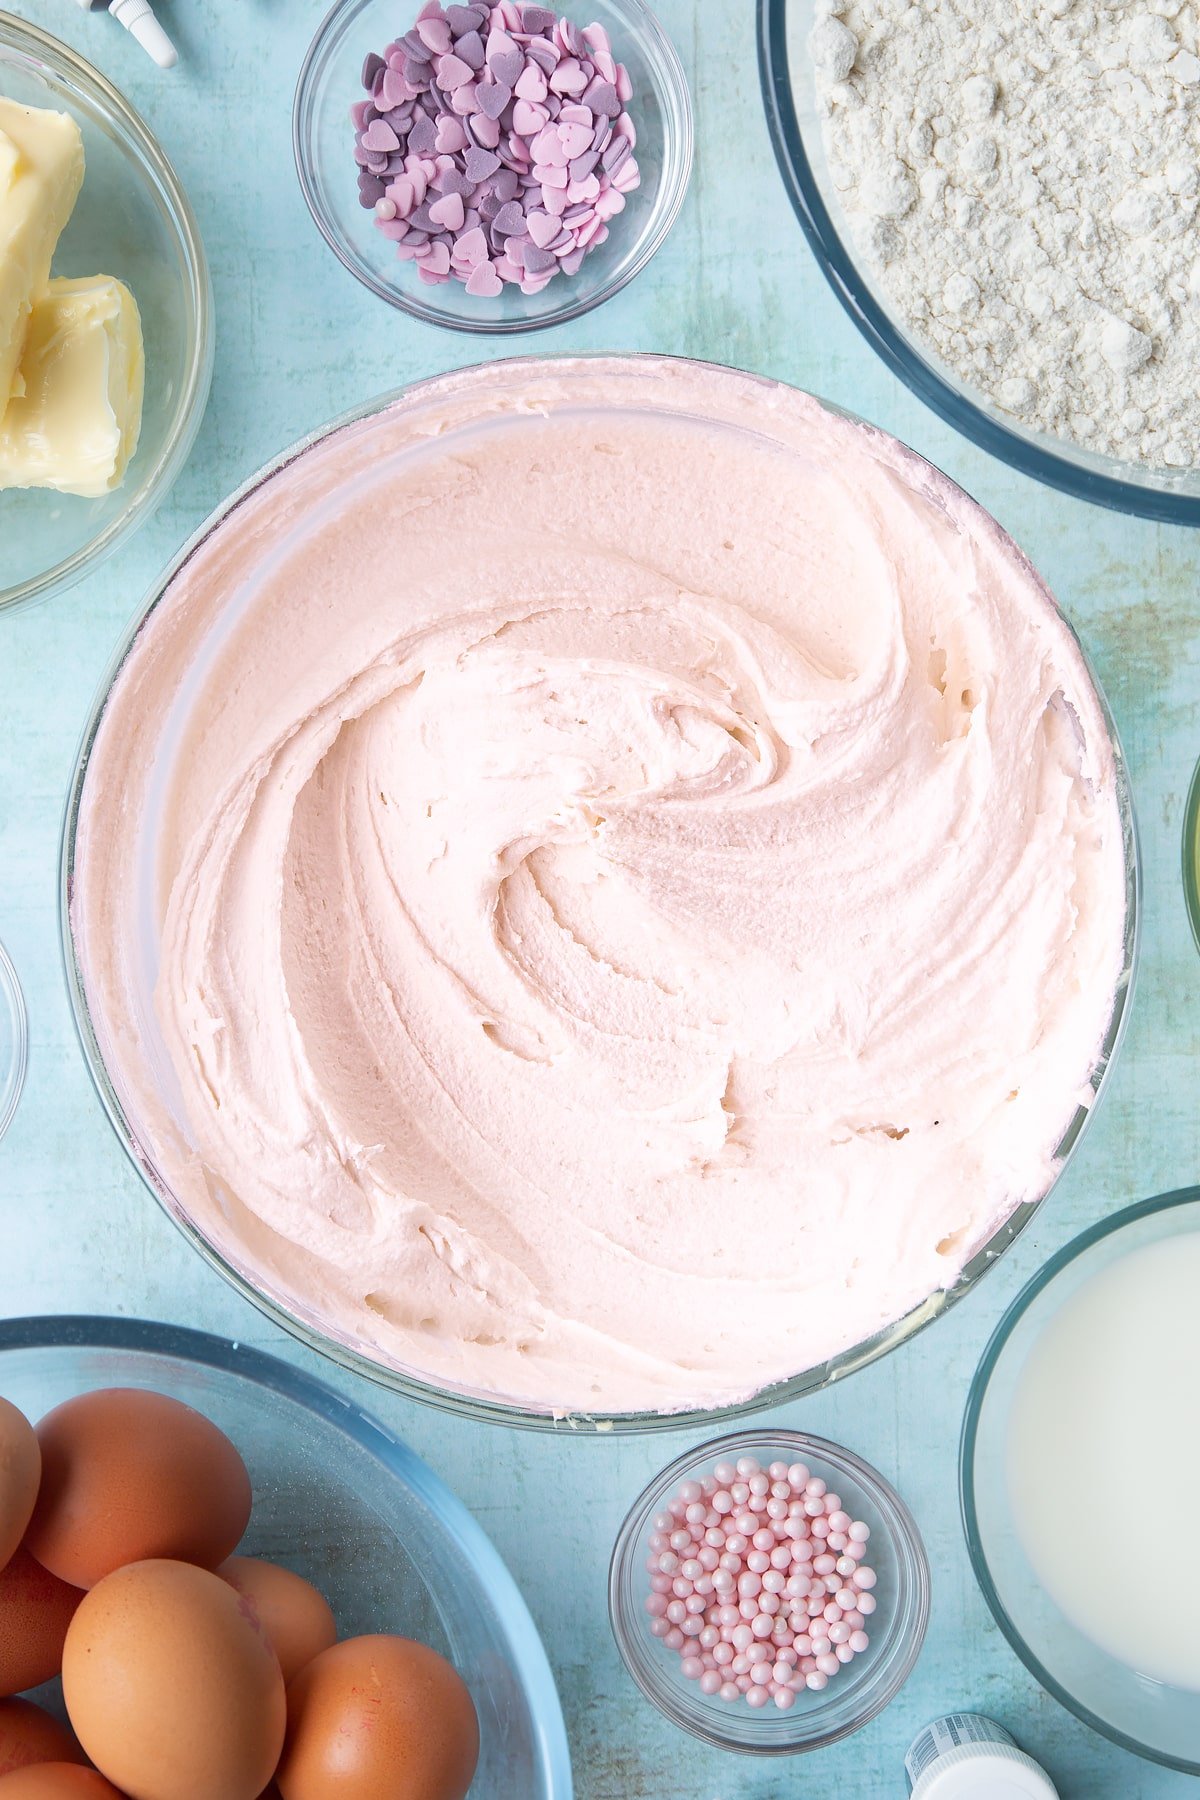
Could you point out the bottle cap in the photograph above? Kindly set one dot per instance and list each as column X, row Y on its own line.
column 138, row 18
column 984, row 1772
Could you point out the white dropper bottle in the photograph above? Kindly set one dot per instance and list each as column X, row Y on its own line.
column 137, row 16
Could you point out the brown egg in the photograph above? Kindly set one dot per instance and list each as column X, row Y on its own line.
column 296, row 1619
column 172, row 1687
column 35, row 1610
column 57, row 1781
column 20, row 1472
column 29, row 1735
column 375, row 1717
column 129, row 1476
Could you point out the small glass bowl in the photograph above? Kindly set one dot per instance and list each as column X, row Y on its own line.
column 863, row 1688
column 1147, row 1717
column 1191, row 855
column 331, row 80
column 14, row 1041
column 794, row 119
column 342, row 1501
column 133, row 221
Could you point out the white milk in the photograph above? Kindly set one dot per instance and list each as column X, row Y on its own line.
column 1104, row 1459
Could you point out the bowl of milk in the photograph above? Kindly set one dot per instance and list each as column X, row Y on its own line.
column 1080, row 1477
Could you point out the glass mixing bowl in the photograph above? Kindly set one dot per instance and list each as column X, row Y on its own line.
column 346, row 1504
column 14, row 1041
column 330, row 81
column 789, row 92
column 1143, row 1715
column 1191, row 855
column 426, row 400
column 855, row 1696
column 132, row 220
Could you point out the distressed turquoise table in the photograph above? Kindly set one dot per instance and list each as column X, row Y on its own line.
column 299, row 341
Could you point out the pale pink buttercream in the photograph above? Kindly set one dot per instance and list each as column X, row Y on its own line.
column 603, row 886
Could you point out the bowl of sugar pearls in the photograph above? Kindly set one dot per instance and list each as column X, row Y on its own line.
column 493, row 168
column 769, row 1592
column 1013, row 252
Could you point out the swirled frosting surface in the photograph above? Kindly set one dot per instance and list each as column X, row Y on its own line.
column 603, row 887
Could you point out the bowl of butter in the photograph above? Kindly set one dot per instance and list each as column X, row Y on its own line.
column 105, row 317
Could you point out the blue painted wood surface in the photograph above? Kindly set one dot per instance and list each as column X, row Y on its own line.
column 300, row 341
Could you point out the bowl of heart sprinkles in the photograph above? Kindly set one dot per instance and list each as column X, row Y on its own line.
column 493, row 168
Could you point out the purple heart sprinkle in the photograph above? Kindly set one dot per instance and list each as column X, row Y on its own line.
column 506, row 66
column 582, row 166
column 370, row 189
column 416, row 47
column 470, row 47
column 422, row 139
column 506, row 184
column 510, row 220
column 575, row 41
column 615, row 155
column 492, row 97
column 465, row 18
column 480, row 164
column 544, row 54
column 488, row 206
column 373, row 66
column 537, row 261
column 537, row 19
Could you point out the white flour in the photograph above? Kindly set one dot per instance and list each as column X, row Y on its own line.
column 1023, row 177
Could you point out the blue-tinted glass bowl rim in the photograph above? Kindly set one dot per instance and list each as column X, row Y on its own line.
column 144, row 1337
column 852, row 290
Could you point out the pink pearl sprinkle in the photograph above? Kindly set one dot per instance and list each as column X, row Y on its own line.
column 755, row 1577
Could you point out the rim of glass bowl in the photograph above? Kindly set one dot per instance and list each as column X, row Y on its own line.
column 64, row 63
column 1062, row 1259
column 149, row 1337
column 905, row 1546
column 485, row 1407
column 679, row 140
column 850, row 285
column 1191, row 855
column 12, row 1078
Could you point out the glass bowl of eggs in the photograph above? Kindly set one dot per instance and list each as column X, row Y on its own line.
column 344, row 1520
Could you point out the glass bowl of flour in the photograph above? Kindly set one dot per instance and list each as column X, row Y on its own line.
column 1005, row 203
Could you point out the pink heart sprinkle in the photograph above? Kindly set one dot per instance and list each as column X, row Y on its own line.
column 380, row 138
column 402, row 192
column 438, row 259
column 451, row 135
column 542, row 228
column 532, row 85
column 569, row 77
column 452, row 72
column 487, row 131
column 435, row 35
column 465, row 99
column 554, row 200
column 572, row 114
column 529, row 119
column 484, row 282
column 449, row 211
column 471, row 248
column 575, row 139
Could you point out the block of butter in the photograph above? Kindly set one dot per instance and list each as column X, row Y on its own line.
column 76, row 424
column 41, row 173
